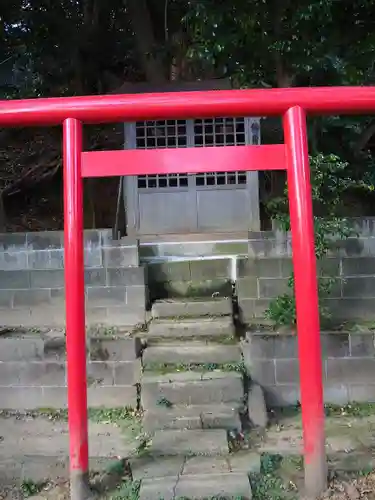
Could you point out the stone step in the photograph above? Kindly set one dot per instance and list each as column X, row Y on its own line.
column 174, row 308
column 188, row 328
column 193, row 352
column 187, row 442
column 191, row 388
column 218, row 416
column 232, row 486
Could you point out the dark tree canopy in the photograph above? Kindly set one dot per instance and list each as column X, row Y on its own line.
column 95, row 46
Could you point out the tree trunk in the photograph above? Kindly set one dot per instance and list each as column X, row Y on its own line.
column 152, row 62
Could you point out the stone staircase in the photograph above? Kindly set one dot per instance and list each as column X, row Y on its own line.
column 192, row 395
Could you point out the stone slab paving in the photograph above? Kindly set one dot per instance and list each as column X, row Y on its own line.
column 188, row 328
column 36, row 448
column 148, row 467
column 192, row 352
column 194, row 308
column 189, row 442
column 197, row 487
column 192, row 388
column 219, row 416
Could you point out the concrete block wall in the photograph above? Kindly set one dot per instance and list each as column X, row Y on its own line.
column 33, row 371
column 194, row 278
column 348, row 366
column 32, row 279
column 264, row 275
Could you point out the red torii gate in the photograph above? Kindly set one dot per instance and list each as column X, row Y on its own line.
column 292, row 104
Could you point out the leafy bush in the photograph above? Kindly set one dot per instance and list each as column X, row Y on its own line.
column 329, row 180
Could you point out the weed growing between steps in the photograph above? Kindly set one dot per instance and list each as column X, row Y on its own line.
column 164, row 368
column 30, row 488
column 268, row 484
column 353, row 409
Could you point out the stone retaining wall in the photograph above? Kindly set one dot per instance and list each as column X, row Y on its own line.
column 32, row 279
column 33, row 371
column 352, row 297
column 348, row 366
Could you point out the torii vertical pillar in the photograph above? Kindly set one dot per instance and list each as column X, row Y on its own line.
column 306, row 293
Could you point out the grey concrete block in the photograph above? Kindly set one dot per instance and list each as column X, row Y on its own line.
column 95, row 277
column 136, row 296
column 330, row 266
column 286, row 346
column 359, row 287
column 117, row 257
column 128, row 372
column 13, row 280
column 12, row 261
column 256, row 406
column 93, row 257
column 251, row 309
column 48, row 316
column 267, row 248
column 363, row 266
column 245, row 461
column 195, row 308
column 55, row 348
column 335, row 345
column 112, row 397
column 45, row 259
column 148, row 467
column 193, row 352
column 361, row 345
column 262, row 371
column 219, row 287
column 192, row 388
column 54, row 397
column 182, row 417
column 238, row 247
column 100, row 373
column 272, row 287
column 258, row 347
column 336, row 394
column 189, row 442
column 265, row 268
column 287, row 371
column 106, row 296
column 169, row 271
column 230, row 485
column 221, row 417
column 44, row 240
column 361, row 393
column 16, row 317
column 22, row 398
column 13, row 242
column 155, row 488
column 209, row 269
column 131, row 276
column 31, row 298
column 286, row 266
column 126, row 349
column 205, row 327
column 351, row 370
column 124, row 316
column 351, row 308
column 282, row 395
column 6, row 299
column 32, row 374
column 47, row 279
column 21, row 349
column 247, row 288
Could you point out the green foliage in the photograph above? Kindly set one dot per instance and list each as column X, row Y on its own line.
column 330, row 180
column 30, row 488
